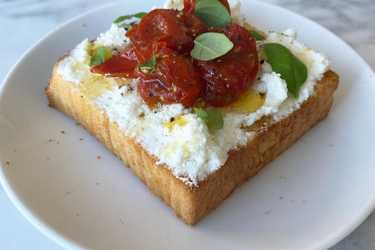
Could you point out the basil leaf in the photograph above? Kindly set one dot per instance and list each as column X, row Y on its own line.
column 149, row 66
column 256, row 35
column 291, row 69
column 211, row 45
column 138, row 15
column 100, row 55
column 212, row 117
column 213, row 13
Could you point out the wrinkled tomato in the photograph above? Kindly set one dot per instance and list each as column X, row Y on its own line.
column 174, row 80
column 189, row 7
column 228, row 77
column 241, row 39
column 121, row 65
column 162, row 25
column 194, row 25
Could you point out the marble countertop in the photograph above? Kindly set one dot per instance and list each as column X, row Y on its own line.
column 23, row 22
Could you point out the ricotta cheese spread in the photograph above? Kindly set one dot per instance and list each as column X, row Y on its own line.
column 114, row 38
column 74, row 68
column 176, row 136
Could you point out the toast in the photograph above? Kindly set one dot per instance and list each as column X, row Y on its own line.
column 192, row 203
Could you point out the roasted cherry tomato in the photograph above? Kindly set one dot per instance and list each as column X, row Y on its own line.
column 189, row 7
column 162, row 25
column 241, row 38
column 226, row 78
column 121, row 65
column 194, row 25
column 174, row 80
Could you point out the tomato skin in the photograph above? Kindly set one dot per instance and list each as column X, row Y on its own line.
column 118, row 66
column 228, row 77
column 189, row 7
column 162, row 25
column 241, row 38
column 194, row 25
column 174, row 81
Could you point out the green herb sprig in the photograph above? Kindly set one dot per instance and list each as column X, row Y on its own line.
column 212, row 117
column 291, row 69
column 213, row 13
column 211, row 45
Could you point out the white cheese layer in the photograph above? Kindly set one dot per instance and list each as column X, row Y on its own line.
column 174, row 4
column 181, row 148
column 75, row 66
column 114, row 38
column 189, row 150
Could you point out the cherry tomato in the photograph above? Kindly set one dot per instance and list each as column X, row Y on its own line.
column 162, row 25
column 228, row 77
column 174, row 81
column 241, row 38
column 194, row 25
column 189, row 7
column 121, row 65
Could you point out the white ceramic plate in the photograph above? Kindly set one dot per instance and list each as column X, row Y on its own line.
column 310, row 198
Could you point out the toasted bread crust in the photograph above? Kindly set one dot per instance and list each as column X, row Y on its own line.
column 193, row 203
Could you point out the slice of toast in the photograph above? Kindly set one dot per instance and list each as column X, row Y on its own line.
column 193, row 203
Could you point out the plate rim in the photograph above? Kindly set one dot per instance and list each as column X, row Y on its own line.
column 66, row 242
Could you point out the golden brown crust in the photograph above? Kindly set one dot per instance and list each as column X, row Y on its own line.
column 192, row 204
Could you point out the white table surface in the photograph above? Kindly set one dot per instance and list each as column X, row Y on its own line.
column 23, row 22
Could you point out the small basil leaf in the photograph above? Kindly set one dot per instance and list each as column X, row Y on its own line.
column 291, row 69
column 149, row 66
column 212, row 117
column 213, row 13
column 211, row 45
column 256, row 35
column 121, row 19
column 100, row 55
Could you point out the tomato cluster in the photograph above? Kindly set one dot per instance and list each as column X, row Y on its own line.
column 177, row 77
